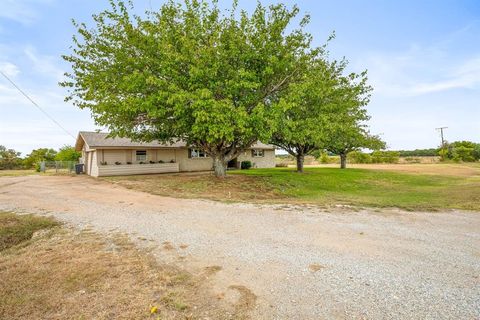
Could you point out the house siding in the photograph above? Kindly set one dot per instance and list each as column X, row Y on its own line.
column 267, row 161
column 93, row 163
column 183, row 163
column 192, row 164
column 112, row 156
column 133, row 169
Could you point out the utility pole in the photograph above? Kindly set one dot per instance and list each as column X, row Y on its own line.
column 441, row 134
column 443, row 151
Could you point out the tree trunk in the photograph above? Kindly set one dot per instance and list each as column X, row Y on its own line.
column 300, row 160
column 220, row 166
column 343, row 160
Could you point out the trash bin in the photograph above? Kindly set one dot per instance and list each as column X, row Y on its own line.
column 79, row 168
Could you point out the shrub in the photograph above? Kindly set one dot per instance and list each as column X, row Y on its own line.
column 359, row 157
column 118, row 163
column 385, row 156
column 103, row 163
column 281, row 165
column 324, row 158
column 172, row 161
column 141, row 162
column 152, row 162
column 161, row 161
column 245, row 165
column 462, row 153
column 128, row 162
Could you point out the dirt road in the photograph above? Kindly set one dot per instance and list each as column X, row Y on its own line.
column 301, row 263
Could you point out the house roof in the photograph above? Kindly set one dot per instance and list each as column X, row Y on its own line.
column 98, row 140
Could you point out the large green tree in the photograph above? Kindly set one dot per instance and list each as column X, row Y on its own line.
column 317, row 106
column 9, row 158
column 189, row 71
column 67, row 153
column 350, row 131
column 466, row 151
column 39, row 155
column 349, row 137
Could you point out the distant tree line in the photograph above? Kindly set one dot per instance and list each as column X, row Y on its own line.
column 432, row 152
column 11, row 159
column 458, row 151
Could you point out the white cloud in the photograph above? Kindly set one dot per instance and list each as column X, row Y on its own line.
column 44, row 64
column 9, row 69
column 465, row 75
column 22, row 11
column 419, row 71
column 423, row 69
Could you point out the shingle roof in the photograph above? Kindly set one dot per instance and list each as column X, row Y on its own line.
column 99, row 139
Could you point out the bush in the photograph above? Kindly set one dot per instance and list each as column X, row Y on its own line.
column 245, row 165
column 281, row 165
column 118, row 163
column 457, row 151
column 324, row 158
column 359, row 157
column 172, row 161
column 161, row 161
column 462, row 153
column 385, row 156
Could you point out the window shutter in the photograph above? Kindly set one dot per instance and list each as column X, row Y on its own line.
column 253, row 153
column 189, row 153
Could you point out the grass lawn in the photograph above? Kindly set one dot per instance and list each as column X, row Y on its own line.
column 30, row 172
column 59, row 273
column 17, row 173
column 18, row 229
column 327, row 186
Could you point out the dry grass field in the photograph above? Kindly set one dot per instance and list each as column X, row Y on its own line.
column 51, row 272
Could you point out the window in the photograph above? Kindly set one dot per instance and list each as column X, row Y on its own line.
column 197, row 153
column 257, row 153
column 141, row 155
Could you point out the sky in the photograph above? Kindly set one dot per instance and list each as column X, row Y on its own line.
column 422, row 57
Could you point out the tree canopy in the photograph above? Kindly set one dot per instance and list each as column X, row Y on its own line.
column 9, row 158
column 39, row 155
column 67, row 153
column 323, row 105
column 192, row 72
column 466, row 151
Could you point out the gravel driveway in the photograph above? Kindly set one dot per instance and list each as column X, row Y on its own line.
column 302, row 263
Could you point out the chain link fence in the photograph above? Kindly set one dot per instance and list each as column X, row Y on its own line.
column 57, row 166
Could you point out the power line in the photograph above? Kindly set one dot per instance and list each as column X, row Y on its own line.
column 36, row 105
